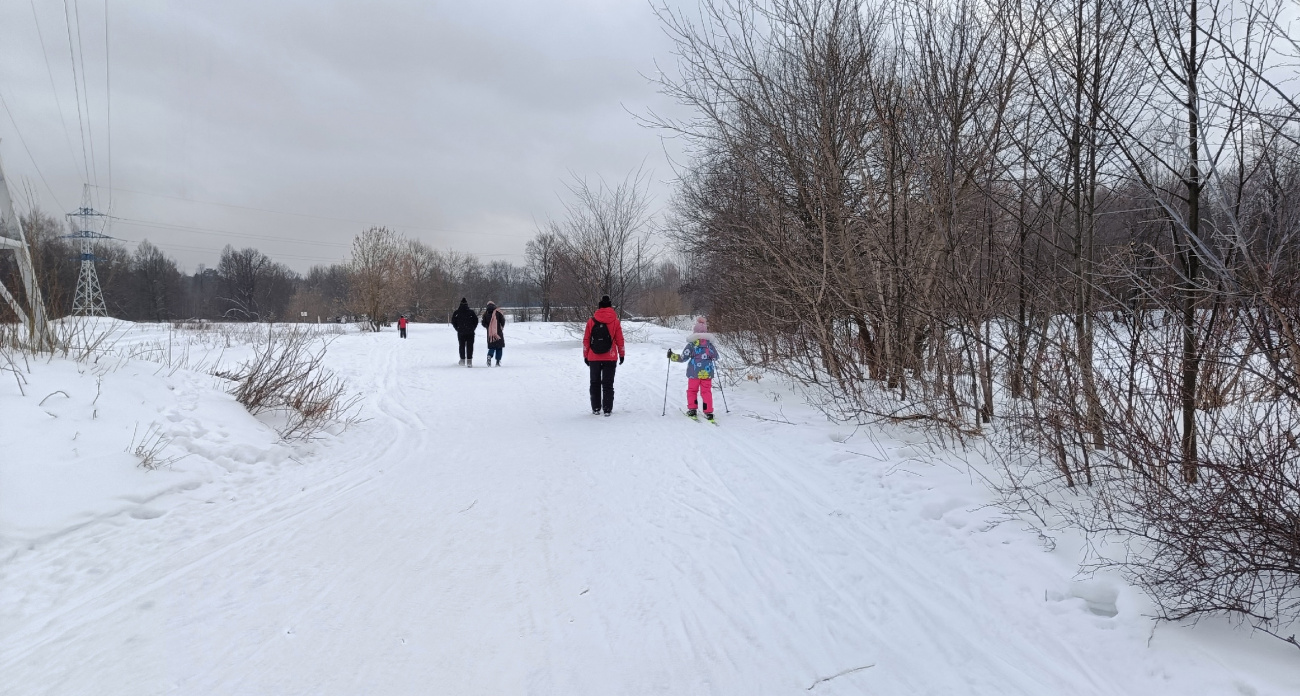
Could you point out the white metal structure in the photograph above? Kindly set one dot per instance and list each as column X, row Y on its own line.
column 12, row 239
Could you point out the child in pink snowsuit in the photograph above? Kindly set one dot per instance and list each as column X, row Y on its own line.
column 699, row 355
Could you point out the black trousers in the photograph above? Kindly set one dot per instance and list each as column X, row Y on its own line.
column 466, row 346
column 602, row 385
column 403, row 330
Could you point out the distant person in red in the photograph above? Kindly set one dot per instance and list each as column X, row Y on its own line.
column 401, row 325
column 602, row 350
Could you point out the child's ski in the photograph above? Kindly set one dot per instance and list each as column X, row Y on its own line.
column 697, row 418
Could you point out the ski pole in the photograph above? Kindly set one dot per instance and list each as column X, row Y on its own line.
column 724, row 395
column 666, row 376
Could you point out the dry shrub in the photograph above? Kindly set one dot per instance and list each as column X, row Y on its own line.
column 1224, row 541
column 149, row 445
column 86, row 338
column 287, row 375
column 13, row 357
column 662, row 306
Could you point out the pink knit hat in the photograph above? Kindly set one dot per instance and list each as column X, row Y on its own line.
column 701, row 325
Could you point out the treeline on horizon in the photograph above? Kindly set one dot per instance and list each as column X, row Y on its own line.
column 600, row 247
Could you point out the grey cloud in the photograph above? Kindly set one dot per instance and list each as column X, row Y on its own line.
column 458, row 117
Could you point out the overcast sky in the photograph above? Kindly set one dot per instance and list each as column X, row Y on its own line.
column 451, row 121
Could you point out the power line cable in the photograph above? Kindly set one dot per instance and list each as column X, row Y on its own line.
column 213, row 231
column 23, row 140
column 129, row 222
column 76, row 88
column 108, row 100
column 312, row 216
column 215, row 250
column 85, row 93
column 212, row 250
column 58, row 103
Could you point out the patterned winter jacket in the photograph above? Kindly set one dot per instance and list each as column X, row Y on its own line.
column 699, row 355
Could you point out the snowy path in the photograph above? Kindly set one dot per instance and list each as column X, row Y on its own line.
column 484, row 534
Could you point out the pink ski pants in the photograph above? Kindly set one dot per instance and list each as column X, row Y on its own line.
column 702, row 387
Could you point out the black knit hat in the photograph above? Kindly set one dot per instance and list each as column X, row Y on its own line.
column 464, row 302
column 605, row 301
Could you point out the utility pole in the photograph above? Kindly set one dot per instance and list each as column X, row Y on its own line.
column 89, row 301
column 13, row 239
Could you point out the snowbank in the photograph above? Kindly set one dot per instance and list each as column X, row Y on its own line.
column 482, row 533
column 71, row 432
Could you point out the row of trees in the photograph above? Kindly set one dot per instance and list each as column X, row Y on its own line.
column 1082, row 215
column 147, row 285
column 600, row 246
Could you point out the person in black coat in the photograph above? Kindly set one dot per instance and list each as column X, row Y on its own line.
column 495, row 322
column 465, row 321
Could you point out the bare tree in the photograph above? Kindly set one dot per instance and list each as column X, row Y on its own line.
column 241, row 272
column 375, row 274
column 421, row 276
column 603, row 240
column 544, row 259
column 156, row 284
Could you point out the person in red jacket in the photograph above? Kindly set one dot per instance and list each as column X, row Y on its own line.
column 401, row 325
column 602, row 350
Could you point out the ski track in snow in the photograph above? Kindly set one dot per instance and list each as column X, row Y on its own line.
column 482, row 533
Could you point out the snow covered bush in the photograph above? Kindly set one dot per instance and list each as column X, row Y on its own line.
column 287, row 376
column 1221, row 536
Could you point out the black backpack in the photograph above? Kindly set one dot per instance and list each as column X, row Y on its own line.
column 601, row 341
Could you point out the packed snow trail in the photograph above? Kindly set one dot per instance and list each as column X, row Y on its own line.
column 483, row 533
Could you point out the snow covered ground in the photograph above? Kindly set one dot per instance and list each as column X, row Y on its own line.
column 483, row 533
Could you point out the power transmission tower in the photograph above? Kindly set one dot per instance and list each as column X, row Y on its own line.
column 89, row 300
column 12, row 238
